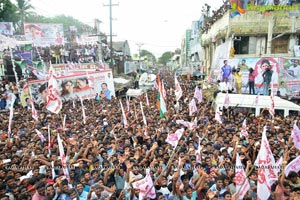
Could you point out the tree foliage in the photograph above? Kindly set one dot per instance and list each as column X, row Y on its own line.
column 148, row 55
column 165, row 57
column 8, row 12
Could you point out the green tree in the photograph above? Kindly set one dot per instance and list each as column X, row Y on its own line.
column 150, row 57
column 24, row 9
column 165, row 57
column 8, row 11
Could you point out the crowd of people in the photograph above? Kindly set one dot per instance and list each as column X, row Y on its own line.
column 105, row 157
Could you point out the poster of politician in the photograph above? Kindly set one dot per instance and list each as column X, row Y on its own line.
column 44, row 34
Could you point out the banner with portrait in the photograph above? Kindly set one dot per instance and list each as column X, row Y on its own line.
column 44, row 34
column 6, row 28
column 75, row 85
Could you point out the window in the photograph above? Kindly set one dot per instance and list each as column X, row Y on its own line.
column 241, row 45
column 280, row 45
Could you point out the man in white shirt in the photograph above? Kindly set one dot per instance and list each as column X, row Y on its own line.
column 295, row 68
column 225, row 86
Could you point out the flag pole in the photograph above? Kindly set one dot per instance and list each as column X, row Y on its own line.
column 252, row 168
column 169, row 162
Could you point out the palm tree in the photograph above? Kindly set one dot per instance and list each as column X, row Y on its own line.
column 24, row 8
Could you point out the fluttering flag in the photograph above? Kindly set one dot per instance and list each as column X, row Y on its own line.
column 185, row 123
column 53, row 170
column 11, row 116
column 83, row 111
column 162, row 106
column 294, row 166
column 244, row 131
column 226, row 101
column 54, row 102
column 272, row 104
column 266, row 174
column 296, row 135
column 41, row 136
column 49, row 142
column 173, row 138
column 178, row 90
column 34, row 113
column 218, row 117
column 123, row 115
column 198, row 95
column 63, row 158
column 192, row 107
column 145, row 187
column 147, row 100
column 127, row 103
column 144, row 118
column 241, row 180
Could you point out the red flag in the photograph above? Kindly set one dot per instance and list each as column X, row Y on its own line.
column 244, row 131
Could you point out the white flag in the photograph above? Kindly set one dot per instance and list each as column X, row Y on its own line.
column 144, row 118
column 83, row 111
column 144, row 186
column 147, row 100
column 218, row 117
column 174, row 138
column 272, row 104
column 242, row 185
column 178, row 90
column 293, row 166
column 296, row 135
column 266, row 174
column 11, row 116
column 198, row 94
column 123, row 115
column 244, row 131
column 41, row 136
column 54, row 103
column 192, row 107
column 63, row 158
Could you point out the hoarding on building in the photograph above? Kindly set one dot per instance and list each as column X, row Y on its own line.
column 44, row 34
column 6, row 28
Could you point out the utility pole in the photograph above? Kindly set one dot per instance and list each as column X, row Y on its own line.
column 111, row 34
column 98, row 33
column 139, row 45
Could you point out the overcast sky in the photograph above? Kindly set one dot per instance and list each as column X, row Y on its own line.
column 158, row 24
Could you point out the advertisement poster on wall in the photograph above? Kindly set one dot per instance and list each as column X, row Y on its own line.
column 257, row 64
column 6, row 28
column 75, row 85
column 44, row 34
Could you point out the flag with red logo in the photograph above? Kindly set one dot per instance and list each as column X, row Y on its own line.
column 145, row 186
column 272, row 104
column 241, row 180
column 293, row 166
column 178, row 90
column 63, row 158
column 198, row 95
column 226, row 101
column 54, row 102
column 192, row 107
column 266, row 174
column 296, row 135
column 173, row 138
column 244, row 131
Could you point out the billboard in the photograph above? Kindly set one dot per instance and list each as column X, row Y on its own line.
column 129, row 67
column 6, row 28
column 44, row 34
column 74, row 85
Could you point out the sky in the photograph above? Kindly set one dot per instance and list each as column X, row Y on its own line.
column 159, row 25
